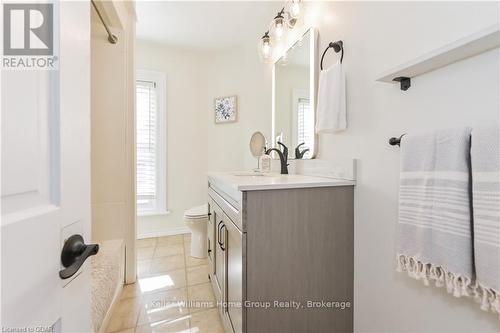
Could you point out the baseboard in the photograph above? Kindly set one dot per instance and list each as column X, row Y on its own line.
column 165, row 232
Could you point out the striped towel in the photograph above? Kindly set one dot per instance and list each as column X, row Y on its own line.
column 434, row 231
column 485, row 153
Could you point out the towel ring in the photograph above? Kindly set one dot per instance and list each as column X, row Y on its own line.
column 396, row 141
column 336, row 46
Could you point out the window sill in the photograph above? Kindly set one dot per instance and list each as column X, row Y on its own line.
column 153, row 213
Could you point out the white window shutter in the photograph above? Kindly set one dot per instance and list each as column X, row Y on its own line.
column 305, row 124
column 146, row 141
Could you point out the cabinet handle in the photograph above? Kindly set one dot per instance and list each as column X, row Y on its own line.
column 222, row 246
column 218, row 233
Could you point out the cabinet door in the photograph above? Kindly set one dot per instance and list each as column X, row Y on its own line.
column 234, row 271
column 219, row 254
column 210, row 236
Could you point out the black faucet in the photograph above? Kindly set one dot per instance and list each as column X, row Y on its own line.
column 299, row 154
column 283, row 157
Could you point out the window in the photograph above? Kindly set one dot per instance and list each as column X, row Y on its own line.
column 305, row 125
column 303, row 118
column 150, row 143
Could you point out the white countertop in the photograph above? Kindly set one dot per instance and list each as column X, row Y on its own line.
column 248, row 181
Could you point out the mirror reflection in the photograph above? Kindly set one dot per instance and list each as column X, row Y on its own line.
column 293, row 102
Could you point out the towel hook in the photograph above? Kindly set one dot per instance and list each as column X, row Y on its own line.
column 337, row 47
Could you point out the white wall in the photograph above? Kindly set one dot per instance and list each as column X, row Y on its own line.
column 112, row 137
column 238, row 72
column 377, row 36
column 466, row 93
column 187, row 104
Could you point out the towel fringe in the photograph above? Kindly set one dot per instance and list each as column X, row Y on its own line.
column 488, row 298
column 456, row 284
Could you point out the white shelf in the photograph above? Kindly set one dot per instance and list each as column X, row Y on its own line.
column 463, row 48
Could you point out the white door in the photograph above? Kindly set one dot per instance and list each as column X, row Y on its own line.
column 45, row 173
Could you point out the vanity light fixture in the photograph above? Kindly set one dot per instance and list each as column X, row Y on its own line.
column 266, row 45
column 266, row 49
column 292, row 12
column 286, row 18
column 278, row 25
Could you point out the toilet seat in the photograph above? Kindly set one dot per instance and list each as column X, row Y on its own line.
column 198, row 212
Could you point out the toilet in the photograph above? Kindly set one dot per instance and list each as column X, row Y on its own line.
column 196, row 220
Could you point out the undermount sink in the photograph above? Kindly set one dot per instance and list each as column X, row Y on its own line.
column 248, row 174
column 261, row 174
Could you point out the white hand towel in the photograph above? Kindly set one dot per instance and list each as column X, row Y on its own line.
column 435, row 223
column 331, row 115
column 485, row 158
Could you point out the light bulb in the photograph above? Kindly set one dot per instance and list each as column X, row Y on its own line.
column 295, row 8
column 266, row 50
column 278, row 23
column 266, row 45
column 279, row 31
column 293, row 12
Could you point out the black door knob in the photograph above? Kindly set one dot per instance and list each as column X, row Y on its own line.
column 74, row 254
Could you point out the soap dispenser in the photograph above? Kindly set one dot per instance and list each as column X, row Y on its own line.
column 265, row 162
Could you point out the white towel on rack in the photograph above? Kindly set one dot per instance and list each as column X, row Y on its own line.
column 435, row 226
column 331, row 115
column 485, row 160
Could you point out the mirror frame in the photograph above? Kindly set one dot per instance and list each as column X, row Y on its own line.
column 313, row 85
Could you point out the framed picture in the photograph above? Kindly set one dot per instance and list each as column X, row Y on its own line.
column 226, row 109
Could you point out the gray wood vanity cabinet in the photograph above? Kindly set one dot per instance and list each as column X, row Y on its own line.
column 282, row 245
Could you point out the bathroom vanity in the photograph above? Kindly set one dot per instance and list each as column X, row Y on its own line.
column 280, row 251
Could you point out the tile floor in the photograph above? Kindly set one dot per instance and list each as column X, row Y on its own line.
column 172, row 293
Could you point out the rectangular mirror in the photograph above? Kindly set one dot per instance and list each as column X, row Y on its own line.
column 294, row 93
